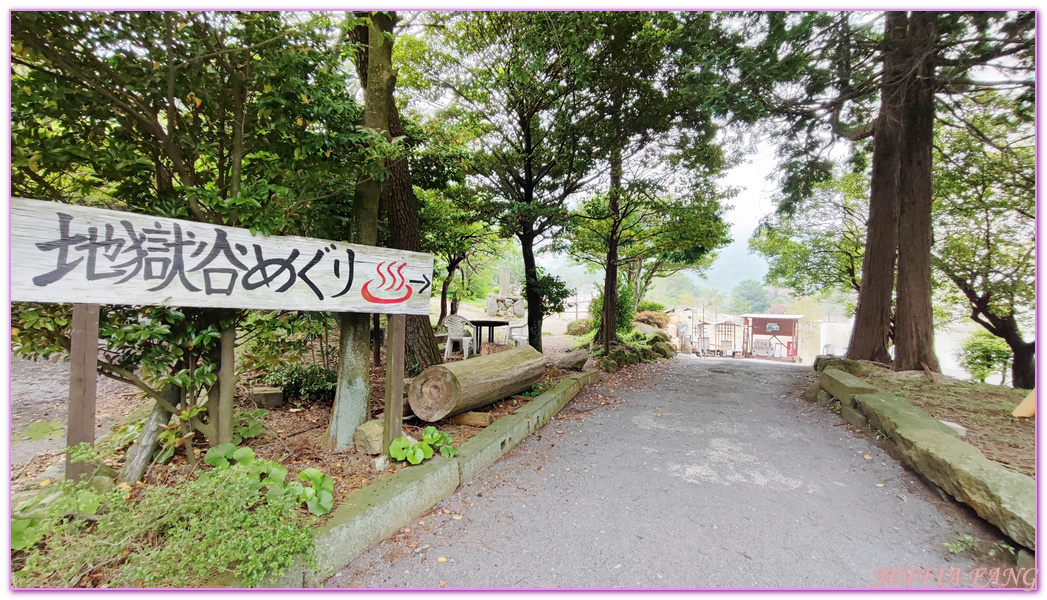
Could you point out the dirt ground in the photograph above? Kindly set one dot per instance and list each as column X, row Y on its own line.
column 293, row 433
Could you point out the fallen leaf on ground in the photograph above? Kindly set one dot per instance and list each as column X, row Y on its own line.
column 457, row 517
column 879, row 485
column 867, row 457
column 441, row 560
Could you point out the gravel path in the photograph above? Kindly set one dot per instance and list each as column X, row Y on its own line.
column 40, row 391
column 712, row 474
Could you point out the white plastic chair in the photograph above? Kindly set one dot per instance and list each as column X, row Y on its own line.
column 517, row 332
column 458, row 330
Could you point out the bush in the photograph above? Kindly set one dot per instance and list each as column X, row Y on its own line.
column 650, row 306
column 656, row 319
column 623, row 320
column 983, row 354
column 312, row 382
column 580, row 327
column 181, row 536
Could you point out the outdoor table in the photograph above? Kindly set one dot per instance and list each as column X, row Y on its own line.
column 490, row 324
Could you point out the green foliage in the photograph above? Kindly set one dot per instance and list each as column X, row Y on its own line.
column 280, row 337
column 749, row 297
column 538, row 389
column 312, row 382
column 40, row 430
column 319, row 496
column 982, row 354
column 415, row 452
column 1001, row 548
column 649, row 306
column 177, row 536
column 552, row 290
column 623, row 320
column 248, row 424
column 961, row 545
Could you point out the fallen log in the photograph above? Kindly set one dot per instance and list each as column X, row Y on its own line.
column 472, row 419
column 446, row 390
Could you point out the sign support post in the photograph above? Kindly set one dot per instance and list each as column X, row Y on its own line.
column 394, row 380
column 83, row 381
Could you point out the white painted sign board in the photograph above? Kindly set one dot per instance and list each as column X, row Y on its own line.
column 67, row 253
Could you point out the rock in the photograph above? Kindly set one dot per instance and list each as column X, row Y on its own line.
column 823, row 397
column 607, row 364
column 649, row 355
column 828, row 361
column 554, row 372
column 487, row 348
column 644, row 328
column 106, row 471
column 573, row 361
column 580, row 327
column 519, row 310
column 268, row 397
column 959, row 430
column 1004, row 497
column 853, row 417
column 380, row 463
column 811, row 393
column 1026, row 559
column 664, row 349
column 368, row 437
column 658, row 336
column 624, row 355
column 843, row 386
column 100, row 484
column 492, row 306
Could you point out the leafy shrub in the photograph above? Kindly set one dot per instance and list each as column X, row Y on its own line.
column 415, row 452
column 623, row 318
column 655, row 319
column 553, row 291
column 312, row 382
column 650, row 306
column 579, row 327
column 175, row 536
column 983, row 354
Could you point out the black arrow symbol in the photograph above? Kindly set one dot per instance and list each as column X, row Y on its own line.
column 426, row 282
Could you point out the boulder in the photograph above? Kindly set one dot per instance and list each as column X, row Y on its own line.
column 828, row 361
column 580, row 327
column 644, row 328
column 573, row 361
column 519, row 310
column 623, row 355
column 664, row 349
column 368, row 437
column 659, row 335
column 812, row 392
column 607, row 364
column 959, row 430
column 823, row 397
column 648, row 355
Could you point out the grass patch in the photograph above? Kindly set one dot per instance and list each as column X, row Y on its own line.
column 985, row 410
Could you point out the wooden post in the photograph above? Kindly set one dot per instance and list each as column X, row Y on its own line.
column 83, row 379
column 394, row 380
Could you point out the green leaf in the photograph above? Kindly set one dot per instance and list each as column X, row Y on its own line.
column 448, row 451
column 88, row 502
column 427, row 450
column 219, row 455
column 25, row 534
column 399, row 447
column 244, row 455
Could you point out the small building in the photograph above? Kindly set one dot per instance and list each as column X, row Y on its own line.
column 771, row 336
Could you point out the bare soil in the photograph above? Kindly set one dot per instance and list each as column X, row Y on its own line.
column 985, row 410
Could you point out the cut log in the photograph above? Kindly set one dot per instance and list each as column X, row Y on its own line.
column 472, row 419
column 446, row 390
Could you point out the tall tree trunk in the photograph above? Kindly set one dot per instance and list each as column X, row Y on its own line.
column 914, row 323
column 1023, row 369
column 870, row 337
column 400, row 207
column 535, row 306
column 452, row 265
column 141, row 452
column 608, row 320
column 353, row 392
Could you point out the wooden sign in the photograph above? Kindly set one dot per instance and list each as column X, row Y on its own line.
column 67, row 253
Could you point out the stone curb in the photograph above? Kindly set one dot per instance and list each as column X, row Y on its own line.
column 373, row 513
column 1001, row 496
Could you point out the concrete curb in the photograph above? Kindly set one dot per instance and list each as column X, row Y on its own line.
column 372, row 514
column 1001, row 496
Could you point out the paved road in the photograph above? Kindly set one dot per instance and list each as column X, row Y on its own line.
column 713, row 474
